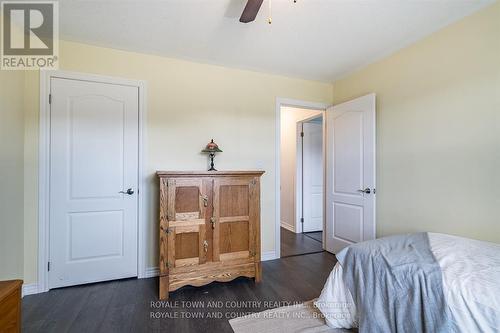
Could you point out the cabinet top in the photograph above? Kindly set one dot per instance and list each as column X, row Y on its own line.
column 209, row 173
column 7, row 287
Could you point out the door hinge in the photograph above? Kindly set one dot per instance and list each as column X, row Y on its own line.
column 302, row 134
column 50, row 98
column 301, row 220
column 48, row 266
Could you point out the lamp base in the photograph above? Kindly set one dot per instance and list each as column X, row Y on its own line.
column 212, row 155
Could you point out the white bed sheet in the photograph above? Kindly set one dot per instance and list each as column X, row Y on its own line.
column 471, row 283
column 336, row 303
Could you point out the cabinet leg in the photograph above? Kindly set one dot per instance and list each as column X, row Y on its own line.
column 258, row 272
column 163, row 295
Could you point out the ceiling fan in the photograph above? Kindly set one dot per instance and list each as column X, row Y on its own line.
column 252, row 9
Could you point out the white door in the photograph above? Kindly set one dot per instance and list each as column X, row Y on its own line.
column 93, row 157
column 312, row 173
column 350, row 175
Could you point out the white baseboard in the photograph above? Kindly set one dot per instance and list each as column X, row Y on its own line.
column 30, row 289
column 269, row 255
column 154, row 271
column 288, row 227
column 151, row 272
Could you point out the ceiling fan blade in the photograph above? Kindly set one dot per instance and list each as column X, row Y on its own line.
column 250, row 12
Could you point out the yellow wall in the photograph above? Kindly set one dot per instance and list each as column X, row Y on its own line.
column 11, row 174
column 188, row 104
column 438, row 130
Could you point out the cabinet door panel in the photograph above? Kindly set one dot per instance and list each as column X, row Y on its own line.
column 187, row 202
column 234, row 218
column 187, row 198
column 234, row 199
column 184, row 244
column 234, row 236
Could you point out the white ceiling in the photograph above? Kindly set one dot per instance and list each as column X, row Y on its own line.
column 312, row 39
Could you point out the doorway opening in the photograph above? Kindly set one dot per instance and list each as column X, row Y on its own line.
column 348, row 171
column 301, row 180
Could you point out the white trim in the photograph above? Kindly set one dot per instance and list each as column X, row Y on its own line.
column 142, row 182
column 43, row 183
column 287, row 226
column 44, row 168
column 297, row 200
column 279, row 103
column 269, row 255
column 324, row 179
column 151, row 272
column 29, row 289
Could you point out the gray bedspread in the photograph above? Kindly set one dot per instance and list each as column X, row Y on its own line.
column 396, row 284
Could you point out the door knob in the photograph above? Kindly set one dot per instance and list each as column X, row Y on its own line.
column 129, row 191
column 366, row 190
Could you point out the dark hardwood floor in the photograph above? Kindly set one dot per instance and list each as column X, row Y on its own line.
column 294, row 244
column 317, row 235
column 132, row 305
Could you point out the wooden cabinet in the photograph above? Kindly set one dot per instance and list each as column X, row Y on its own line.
column 10, row 306
column 209, row 227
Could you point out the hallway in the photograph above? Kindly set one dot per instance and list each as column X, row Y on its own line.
column 293, row 244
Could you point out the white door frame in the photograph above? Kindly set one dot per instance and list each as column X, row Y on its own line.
column 298, row 104
column 299, row 172
column 44, row 168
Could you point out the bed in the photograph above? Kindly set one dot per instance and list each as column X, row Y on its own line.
column 423, row 282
